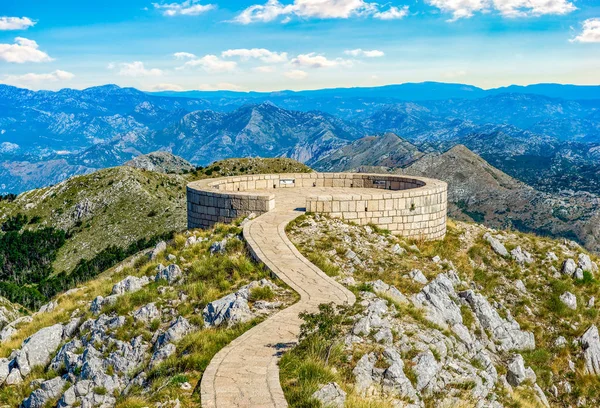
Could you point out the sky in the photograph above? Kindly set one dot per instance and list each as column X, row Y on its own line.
column 268, row 45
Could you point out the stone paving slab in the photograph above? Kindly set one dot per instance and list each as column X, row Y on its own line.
column 246, row 372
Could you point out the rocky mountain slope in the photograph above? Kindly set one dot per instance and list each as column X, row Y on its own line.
column 388, row 150
column 161, row 162
column 142, row 333
column 483, row 318
column 251, row 131
column 478, row 191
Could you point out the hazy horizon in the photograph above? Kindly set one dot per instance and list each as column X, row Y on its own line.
column 266, row 45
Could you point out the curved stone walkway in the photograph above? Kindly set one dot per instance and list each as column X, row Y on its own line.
column 245, row 373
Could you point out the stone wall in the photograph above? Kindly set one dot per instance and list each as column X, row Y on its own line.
column 414, row 207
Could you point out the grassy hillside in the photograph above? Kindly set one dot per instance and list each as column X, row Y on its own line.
column 105, row 216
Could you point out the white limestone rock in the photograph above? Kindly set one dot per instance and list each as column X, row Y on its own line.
column 418, row 276
column 37, row 349
column 331, row 396
column 590, row 342
column 48, row 391
column 383, row 289
column 438, row 299
column 129, row 284
column 521, row 257
column 363, row 372
column 158, row 249
column 425, row 368
column 569, row 300
column 585, row 263
column 146, row 313
column 506, row 331
column 497, row 246
column 568, row 268
column 171, row 274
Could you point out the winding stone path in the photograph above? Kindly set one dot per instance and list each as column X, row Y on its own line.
column 245, row 373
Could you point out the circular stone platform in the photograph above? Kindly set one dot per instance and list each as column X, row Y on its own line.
column 413, row 207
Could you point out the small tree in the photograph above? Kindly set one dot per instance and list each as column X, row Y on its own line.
column 326, row 325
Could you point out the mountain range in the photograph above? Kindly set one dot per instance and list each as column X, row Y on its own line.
column 547, row 136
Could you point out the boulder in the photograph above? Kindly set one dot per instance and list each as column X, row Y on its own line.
column 516, row 372
column 560, row 342
column 585, row 263
column 363, row 372
column 425, row 368
column 383, row 289
column 506, row 331
column 590, row 342
column 4, row 369
column 146, row 313
column 521, row 257
column 233, row 308
column 70, row 328
column 418, row 276
column 330, row 396
column 437, row 298
column 176, row 331
column 129, row 284
column 520, row 286
column 14, row 378
column 48, row 307
column 398, row 250
column 218, row 247
column 394, row 378
column 569, row 300
column 497, row 246
column 162, row 354
column 37, row 349
column 48, row 391
column 158, row 249
column 190, row 241
column 568, row 267
column 171, row 274
column 578, row 274
column 99, row 302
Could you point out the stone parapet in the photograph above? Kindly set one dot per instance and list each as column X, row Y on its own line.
column 413, row 207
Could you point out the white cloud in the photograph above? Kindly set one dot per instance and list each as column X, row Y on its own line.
column 265, row 69
column 590, row 32
column 393, row 13
column 137, row 69
column 262, row 54
column 273, row 9
column 23, row 50
column 296, row 74
column 186, row 8
column 15, row 23
column 364, row 53
column 314, row 60
column 523, row 8
column 460, row 8
column 508, row 8
column 211, row 64
column 31, row 78
column 184, row 55
column 167, row 87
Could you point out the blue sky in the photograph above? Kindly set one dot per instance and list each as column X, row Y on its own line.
column 297, row 44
